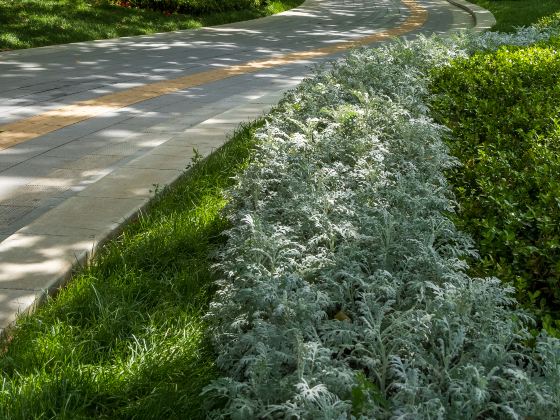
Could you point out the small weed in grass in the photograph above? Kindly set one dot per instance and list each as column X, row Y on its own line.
column 126, row 339
column 35, row 23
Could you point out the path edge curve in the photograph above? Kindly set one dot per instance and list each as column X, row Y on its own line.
column 484, row 20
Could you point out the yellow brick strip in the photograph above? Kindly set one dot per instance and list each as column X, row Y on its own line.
column 38, row 125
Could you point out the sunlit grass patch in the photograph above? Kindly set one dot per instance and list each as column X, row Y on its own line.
column 35, row 23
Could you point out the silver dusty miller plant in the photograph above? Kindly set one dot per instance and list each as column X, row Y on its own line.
column 344, row 292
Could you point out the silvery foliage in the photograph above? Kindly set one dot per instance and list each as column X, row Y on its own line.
column 344, row 291
column 493, row 40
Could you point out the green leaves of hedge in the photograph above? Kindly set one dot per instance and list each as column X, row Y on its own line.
column 504, row 112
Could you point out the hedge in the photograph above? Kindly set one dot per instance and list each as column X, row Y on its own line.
column 504, row 110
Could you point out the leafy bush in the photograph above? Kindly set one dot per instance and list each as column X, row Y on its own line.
column 550, row 21
column 344, row 289
column 196, row 7
column 504, row 108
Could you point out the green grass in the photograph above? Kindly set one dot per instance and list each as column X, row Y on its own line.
column 36, row 23
column 126, row 338
column 510, row 14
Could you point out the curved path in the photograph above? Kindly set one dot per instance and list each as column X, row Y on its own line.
column 87, row 129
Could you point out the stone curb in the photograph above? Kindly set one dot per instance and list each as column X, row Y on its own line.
column 484, row 19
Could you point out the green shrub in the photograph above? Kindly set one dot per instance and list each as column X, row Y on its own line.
column 197, row 7
column 504, row 112
column 550, row 21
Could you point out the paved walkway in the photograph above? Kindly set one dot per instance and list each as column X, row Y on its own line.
column 88, row 129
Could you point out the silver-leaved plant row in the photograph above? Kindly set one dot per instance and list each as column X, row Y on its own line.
column 344, row 291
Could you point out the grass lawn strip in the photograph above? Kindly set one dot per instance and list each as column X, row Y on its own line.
column 511, row 14
column 36, row 23
column 345, row 289
column 125, row 339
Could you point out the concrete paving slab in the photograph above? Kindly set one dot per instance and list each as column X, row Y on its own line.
column 160, row 102
column 33, row 195
column 222, row 126
column 249, row 109
column 200, row 135
column 131, row 182
column 68, row 178
column 37, row 262
column 175, row 126
column 13, row 303
column 10, row 213
column 10, row 185
column 137, row 123
column 125, row 148
column 31, row 168
column 79, row 148
column 80, row 213
column 184, row 149
column 102, row 138
column 189, row 107
column 93, row 161
column 44, row 163
column 151, row 140
column 32, row 148
column 162, row 162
